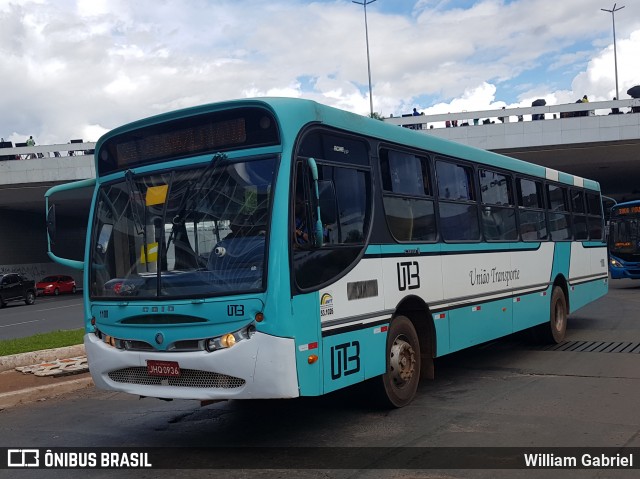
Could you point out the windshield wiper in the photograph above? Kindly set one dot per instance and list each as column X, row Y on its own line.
column 192, row 194
column 132, row 188
column 159, row 223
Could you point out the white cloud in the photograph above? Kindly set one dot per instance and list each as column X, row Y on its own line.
column 78, row 68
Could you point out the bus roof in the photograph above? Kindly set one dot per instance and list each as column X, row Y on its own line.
column 294, row 113
column 625, row 204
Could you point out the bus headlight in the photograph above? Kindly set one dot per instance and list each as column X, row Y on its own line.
column 615, row 263
column 229, row 340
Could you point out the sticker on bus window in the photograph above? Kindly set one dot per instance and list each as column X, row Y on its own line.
column 156, row 195
column 152, row 253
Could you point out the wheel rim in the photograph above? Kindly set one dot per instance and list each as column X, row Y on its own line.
column 402, row 362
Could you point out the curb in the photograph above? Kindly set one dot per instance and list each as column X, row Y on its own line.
column 38, row 393
column 27, row 359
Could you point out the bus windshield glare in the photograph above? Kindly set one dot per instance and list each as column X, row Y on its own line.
column 183, row 233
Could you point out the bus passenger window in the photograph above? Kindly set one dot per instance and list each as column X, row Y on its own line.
column 408, row 205
column 559, row 217
column 533, row 222
column 594, row 218
column 457, row 206
column 498, row 213
column 580, row 228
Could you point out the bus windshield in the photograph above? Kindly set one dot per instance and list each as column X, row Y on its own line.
column 624, row 238
column 183, row 233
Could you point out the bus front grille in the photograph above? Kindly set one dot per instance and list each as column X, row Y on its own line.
column 189, row 378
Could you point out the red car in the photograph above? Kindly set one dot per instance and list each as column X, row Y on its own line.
column 56, row 284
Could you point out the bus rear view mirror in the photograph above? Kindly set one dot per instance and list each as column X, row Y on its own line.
column 51, row 224
column 67, row 209
column 103, row 238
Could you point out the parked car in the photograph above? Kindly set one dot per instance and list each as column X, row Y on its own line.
column 56, row 284
column 14, row 287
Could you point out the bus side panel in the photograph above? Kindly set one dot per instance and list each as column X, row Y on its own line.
column 535, row 268
column 561, row 260
column 530, row 310
column 442, row 327
column 475, row 324
column 306, row 319
column 411, row 275
column 582, row 294
column 476, row 279
column 588, row 274
column 351, row 357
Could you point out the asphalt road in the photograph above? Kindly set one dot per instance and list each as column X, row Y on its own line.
column 503, row 394
column 48, row 313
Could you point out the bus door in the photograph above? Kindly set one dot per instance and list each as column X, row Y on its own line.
column 336, row 288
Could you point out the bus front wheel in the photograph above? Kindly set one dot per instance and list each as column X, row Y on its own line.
column 400, row 381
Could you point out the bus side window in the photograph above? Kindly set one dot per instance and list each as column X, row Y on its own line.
column 559, row 217
column 533, row 223
column 498, row 218
column 594, row 216
column 457, row 203
column 408, row 202
column 579, row 217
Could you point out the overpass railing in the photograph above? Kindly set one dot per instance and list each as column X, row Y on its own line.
column 510, row 115
column 23, row 152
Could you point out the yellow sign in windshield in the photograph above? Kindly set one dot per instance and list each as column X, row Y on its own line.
column 156, row 195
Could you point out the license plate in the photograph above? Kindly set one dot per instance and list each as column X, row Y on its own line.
column 163, row 368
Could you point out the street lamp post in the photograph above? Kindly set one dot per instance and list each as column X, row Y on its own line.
column 366, row 33
column 615, row 53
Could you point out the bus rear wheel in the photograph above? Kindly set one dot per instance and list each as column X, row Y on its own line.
column 400, row 381
column 559, row 313
column 555, row 329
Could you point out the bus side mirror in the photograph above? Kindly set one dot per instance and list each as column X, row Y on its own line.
column 51, row 224
column 317, row 228
column 104, row 237
column 70, row 200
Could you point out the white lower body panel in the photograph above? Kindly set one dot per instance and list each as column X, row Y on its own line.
column 262, row 367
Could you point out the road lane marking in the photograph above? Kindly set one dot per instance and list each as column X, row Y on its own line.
column 18, row 324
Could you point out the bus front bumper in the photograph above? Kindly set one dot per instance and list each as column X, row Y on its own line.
column 262, row 367
column 621, row 270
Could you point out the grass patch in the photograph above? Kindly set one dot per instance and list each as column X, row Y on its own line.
column 38, row 342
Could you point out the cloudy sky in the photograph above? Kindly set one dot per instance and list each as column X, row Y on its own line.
column 77, row 68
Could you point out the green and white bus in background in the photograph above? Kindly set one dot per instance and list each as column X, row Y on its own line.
column 277, row 248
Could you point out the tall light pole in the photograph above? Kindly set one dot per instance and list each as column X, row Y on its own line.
column 366, row 33
column 615, row 53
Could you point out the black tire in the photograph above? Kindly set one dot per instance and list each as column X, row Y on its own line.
column 398, row 386
column 56, row 292
column 29, row 298
column 73, row 290
column 555, row 329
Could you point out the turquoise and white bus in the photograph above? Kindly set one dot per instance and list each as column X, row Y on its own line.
column 276, row 248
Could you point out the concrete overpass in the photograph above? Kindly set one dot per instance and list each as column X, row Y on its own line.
column 26, row 173
column 600, row 146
